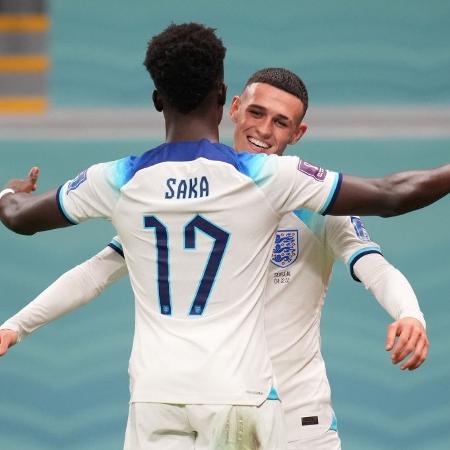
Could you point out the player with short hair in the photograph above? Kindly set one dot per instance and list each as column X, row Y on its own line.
column 268, row 116
column 157, row 185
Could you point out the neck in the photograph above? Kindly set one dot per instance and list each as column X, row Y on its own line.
column 201, row 123
column 191, row 127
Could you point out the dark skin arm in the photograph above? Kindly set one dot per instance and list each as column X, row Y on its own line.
column 387, row 196
column 26, row 214
column 392, row 195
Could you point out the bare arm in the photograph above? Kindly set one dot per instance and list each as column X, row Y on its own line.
column 24, row 213
column 27, row 214
column 392, row 195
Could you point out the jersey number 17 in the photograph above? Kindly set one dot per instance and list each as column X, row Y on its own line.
column 220, row 238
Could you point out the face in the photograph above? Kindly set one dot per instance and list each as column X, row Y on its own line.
column 266, row 119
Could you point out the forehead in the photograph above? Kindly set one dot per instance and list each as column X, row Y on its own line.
column 274, row 100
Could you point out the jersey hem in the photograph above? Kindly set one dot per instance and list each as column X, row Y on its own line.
column 256, row 399
column 180, row 400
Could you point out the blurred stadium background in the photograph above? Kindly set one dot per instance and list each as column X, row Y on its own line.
column 378, row 75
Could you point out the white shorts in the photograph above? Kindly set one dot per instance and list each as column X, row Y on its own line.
column 329, row 440
column 160, row 426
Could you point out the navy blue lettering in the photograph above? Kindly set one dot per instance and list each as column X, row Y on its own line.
column 204, row 187
column 170, row 193
column 182, row 188
column 193, row 187
column 187, row 188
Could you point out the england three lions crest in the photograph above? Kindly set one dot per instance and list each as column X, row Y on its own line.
column 285, row 248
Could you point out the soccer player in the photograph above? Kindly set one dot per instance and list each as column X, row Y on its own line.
column 201, row 376
column 268, row 116
column 158, row 202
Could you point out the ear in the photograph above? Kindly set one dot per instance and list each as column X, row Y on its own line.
column 222, row 94
column 234, row 108
column 298, row 133
column 157, row 101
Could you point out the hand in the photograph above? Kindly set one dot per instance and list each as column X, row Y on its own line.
column 8, row 338
column 407, row 338
column 29, row 184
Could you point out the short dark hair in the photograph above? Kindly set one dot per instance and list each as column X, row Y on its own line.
column 185, row 62
column 282, row 79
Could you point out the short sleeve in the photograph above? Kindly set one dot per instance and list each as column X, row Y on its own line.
column 291, row 183
column 349, row 239
column 92, row 194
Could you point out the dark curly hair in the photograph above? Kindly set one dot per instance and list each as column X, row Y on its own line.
column 282, row 79
column 185, row 62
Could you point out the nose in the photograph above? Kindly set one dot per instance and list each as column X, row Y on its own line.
column 264, row 128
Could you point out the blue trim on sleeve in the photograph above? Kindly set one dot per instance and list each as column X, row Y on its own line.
column 116, row 247
column 358, row 255
column 61, row 208
column 333, row 195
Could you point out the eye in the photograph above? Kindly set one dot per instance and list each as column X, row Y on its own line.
column 255, row 113
column 281, row 123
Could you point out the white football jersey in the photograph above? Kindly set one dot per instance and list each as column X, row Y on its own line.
column 196, row 221
column 304, row 250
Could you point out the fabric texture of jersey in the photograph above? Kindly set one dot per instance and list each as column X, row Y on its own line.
column 196, row 222
column 305, row 248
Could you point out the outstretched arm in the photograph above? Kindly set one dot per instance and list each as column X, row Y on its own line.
column 387, row 196
column 71, row 290
column 392, row 195
column 92, row 194
column 25, row 213
column 406, row 337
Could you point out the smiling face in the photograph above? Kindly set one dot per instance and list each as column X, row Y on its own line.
column 267, row 119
